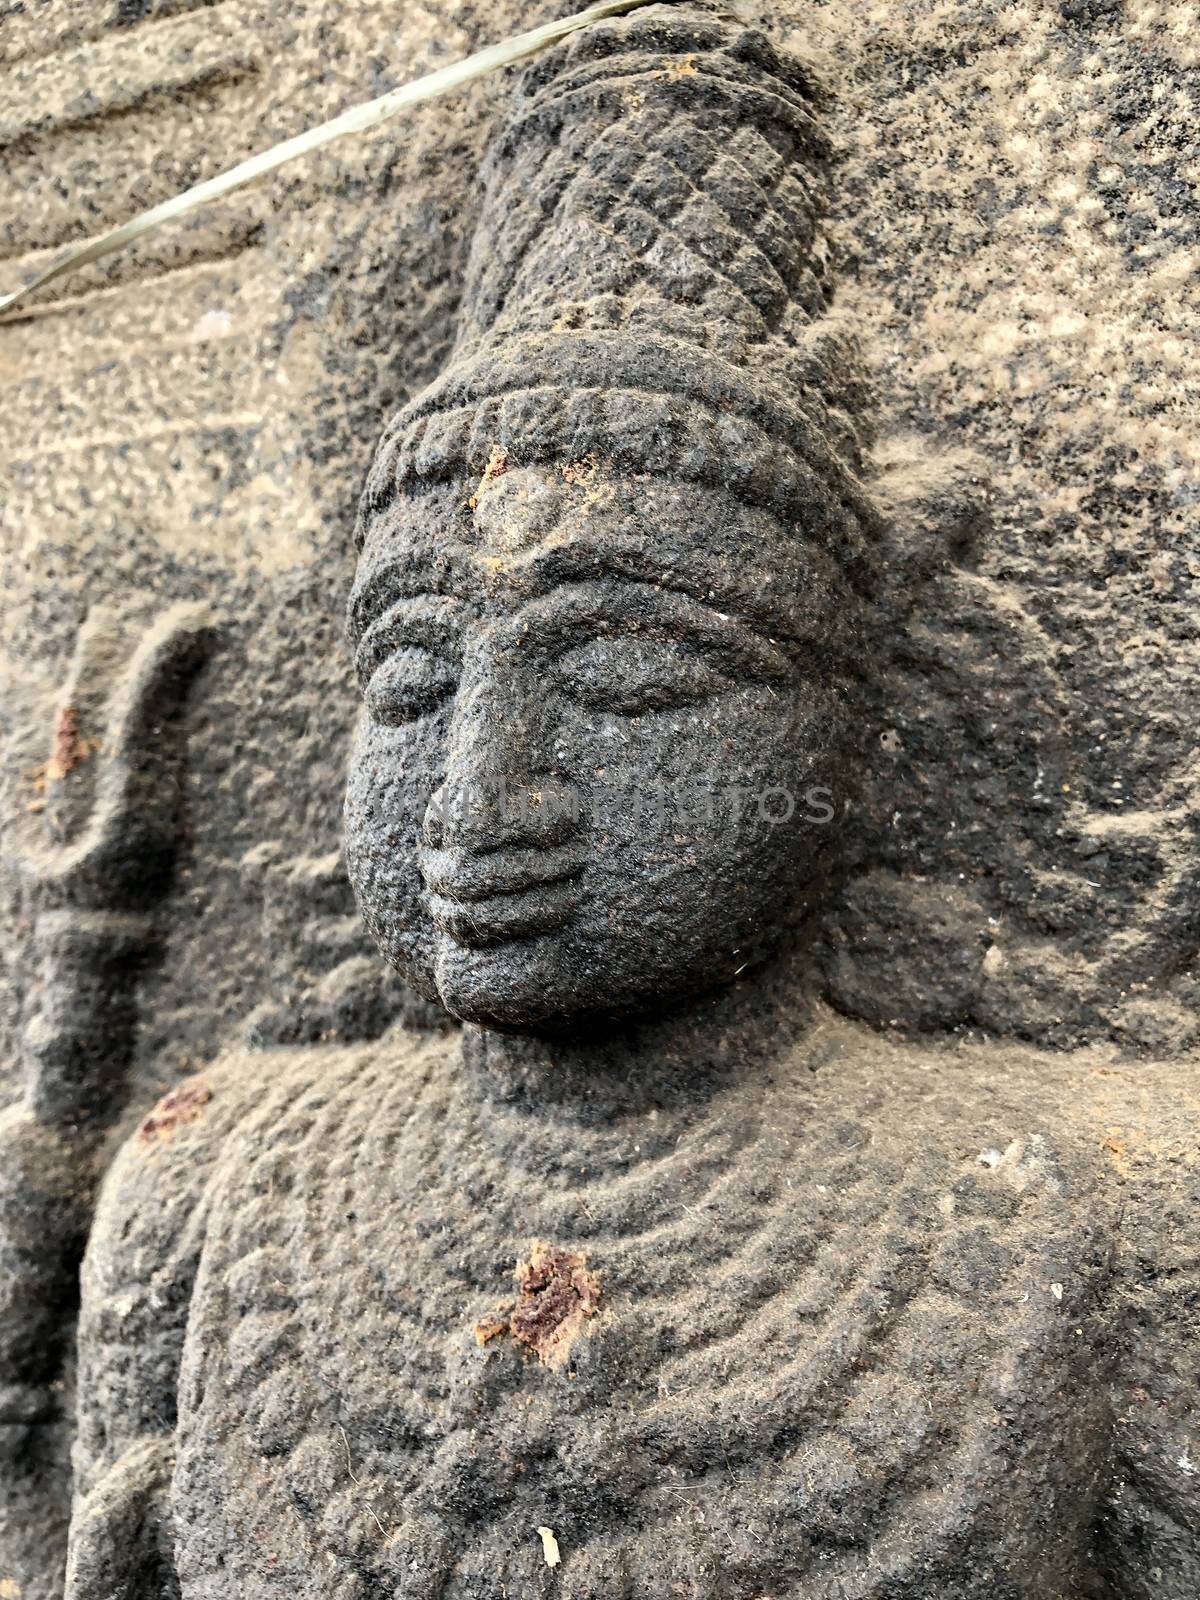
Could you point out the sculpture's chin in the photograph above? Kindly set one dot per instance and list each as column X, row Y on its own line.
column 522, row 985
column 558, row 986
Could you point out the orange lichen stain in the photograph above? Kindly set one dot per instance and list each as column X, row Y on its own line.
column 497, row 466
column 183, row 1104
column 556, row 1296
column 1119, row 1145
column 68, row 747
column 71, row 750
column 581, row 471
column 686, row 68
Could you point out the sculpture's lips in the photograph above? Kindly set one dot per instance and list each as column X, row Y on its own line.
column 470, row 877
column 481, row 900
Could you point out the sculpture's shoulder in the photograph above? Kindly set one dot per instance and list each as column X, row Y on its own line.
column 158, row 1191
column 141, row 1259
column 147, row 1241
column 1082, row 1173
column 1143, row 1116
column 153, row 1197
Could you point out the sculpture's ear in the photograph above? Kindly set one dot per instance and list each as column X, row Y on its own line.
column 980, row 889
column 963, row 787
column 935, row 509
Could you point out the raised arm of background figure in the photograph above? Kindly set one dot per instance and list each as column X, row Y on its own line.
column 91, row 882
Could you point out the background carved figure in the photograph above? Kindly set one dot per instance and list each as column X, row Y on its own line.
column 763, row 1161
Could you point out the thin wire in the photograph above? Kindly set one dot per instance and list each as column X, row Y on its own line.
column 356, row 120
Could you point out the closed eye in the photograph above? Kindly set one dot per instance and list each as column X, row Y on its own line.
column 411, row 682
column 407, row 661
column 634, row 674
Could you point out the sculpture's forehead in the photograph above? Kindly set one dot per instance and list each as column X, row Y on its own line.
column 523, row 531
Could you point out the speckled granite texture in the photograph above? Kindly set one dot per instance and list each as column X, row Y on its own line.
column 859, row 1331
column 823, row 1223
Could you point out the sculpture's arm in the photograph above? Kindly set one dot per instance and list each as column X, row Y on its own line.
column 1151, row 1525
column 93, row 875
column 121, row 1534
column 1149, row 1528
column 137, row 1281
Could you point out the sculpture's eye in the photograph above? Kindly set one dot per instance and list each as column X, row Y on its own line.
column 633, row 675
column 407, row 660
column 409, row 683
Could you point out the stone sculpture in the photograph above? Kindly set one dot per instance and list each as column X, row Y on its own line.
column 94, row 878
column 661, row 1279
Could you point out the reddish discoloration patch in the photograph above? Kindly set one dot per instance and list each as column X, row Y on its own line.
column 181, row 1105
column 489, row 1328
column 497, row 466
column 68, row 747
column 70, row 751
column 556, row 1297
column 583, row 470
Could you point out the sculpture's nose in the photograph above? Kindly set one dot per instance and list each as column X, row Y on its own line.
column 499, row 789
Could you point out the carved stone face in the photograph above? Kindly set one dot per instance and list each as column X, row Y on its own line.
column 600, row 749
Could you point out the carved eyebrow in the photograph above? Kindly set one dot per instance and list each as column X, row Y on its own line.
column 434, row 621
column 406, row 577
column 581, row 564
column 655, row 609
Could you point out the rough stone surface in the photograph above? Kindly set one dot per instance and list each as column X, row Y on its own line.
column 876, row 1272
column 859, row 1329
column 622, row 550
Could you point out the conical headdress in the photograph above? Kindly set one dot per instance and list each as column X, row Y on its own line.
column 647, row 286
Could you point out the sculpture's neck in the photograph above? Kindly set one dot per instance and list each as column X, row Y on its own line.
column 678, row 1058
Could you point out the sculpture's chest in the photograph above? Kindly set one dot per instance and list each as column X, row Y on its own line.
column 797, row 1367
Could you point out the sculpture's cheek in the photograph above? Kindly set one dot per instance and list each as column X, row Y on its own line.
column 392, row 774
column 700, row 834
